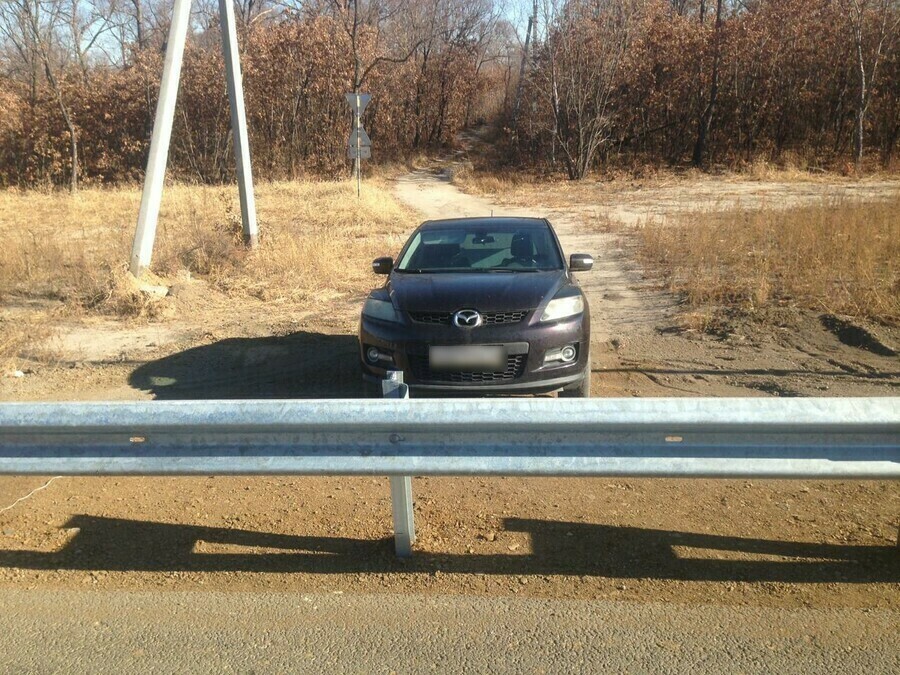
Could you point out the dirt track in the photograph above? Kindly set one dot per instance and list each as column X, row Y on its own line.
column 734, row 542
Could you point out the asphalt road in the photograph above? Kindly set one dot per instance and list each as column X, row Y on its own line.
column 119, row 631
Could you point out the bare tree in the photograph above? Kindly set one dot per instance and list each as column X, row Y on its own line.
column 42, row 21
column 381, row 19
column 16, row 32
column 873, row 26
column 86, row 22
column 578, row 71
column 704, row 124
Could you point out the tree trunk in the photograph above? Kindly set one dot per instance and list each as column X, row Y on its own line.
column 862, row 102
column 54, row 85
column 73, row 146
column 890, row 143
column 70, row 125
column 705, row 123
column 73, row 143
column 139, row 25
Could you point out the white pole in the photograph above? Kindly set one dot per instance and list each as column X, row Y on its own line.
column 142, row 250
column 238, row 121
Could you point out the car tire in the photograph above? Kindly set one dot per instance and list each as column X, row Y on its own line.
column 582, row 389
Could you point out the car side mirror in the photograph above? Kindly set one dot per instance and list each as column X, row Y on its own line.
column 383, row 265
column 581, row 262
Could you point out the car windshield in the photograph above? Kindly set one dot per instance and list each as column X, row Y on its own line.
column 481, row 249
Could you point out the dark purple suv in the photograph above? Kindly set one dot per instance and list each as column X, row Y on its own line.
column 480, row 306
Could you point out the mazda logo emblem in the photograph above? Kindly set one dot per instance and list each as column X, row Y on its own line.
column 467, row 318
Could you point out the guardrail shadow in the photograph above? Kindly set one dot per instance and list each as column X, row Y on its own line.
column 560, row 548
column 299, row 365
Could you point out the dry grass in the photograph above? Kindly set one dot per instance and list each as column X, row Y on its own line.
column 837, row 256
column 71, row 252
column 504, row 186
column 513, row 186
column 21, row 335
column 314, row 236
column 317, row 237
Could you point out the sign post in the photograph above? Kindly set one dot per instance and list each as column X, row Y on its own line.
column 360, row 146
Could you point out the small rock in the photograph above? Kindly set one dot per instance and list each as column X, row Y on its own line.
column 148, row 285
column 154, row 291
column 18, row 373
column 491, row 536
column 513, row 547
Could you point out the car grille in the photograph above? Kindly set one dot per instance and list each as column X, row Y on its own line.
column 487, row 319
column 436, row 318
column 515, row 366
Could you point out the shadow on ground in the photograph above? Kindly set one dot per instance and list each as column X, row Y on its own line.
column 300, row 365
column 563, row 548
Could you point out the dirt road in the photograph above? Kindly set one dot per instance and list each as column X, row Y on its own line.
column 637, row 348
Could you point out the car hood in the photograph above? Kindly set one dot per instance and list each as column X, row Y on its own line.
column 485, row 292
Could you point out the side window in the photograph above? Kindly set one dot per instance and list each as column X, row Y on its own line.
column 413, row 246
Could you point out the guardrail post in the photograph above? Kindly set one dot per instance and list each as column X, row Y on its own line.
column 401, row 486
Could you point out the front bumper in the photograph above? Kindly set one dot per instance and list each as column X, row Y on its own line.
column 526, row 343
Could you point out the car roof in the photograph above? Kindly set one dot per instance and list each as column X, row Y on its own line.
column 497, row 224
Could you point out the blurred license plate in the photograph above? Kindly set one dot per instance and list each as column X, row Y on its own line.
column 467, row 357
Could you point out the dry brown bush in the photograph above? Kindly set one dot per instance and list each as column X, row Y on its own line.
column 837, row 256
column 298, row 120
column 668, row 84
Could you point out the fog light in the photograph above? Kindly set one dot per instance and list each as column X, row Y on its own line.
column 565, row 354
column 372, row 355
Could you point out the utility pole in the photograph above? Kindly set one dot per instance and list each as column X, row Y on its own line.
column 239, row 135
column 154, row 178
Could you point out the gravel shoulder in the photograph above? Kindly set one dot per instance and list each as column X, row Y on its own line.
column 111, row 632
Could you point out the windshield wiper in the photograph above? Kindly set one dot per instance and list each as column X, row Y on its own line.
column 440, row 270
column 467, row 270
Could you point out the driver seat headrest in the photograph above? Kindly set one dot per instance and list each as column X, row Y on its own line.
column 521, row 246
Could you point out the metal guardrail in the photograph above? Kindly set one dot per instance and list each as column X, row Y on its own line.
column 819, row 438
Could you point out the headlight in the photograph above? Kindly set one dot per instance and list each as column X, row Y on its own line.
column 380, row 309
column 560, row 308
